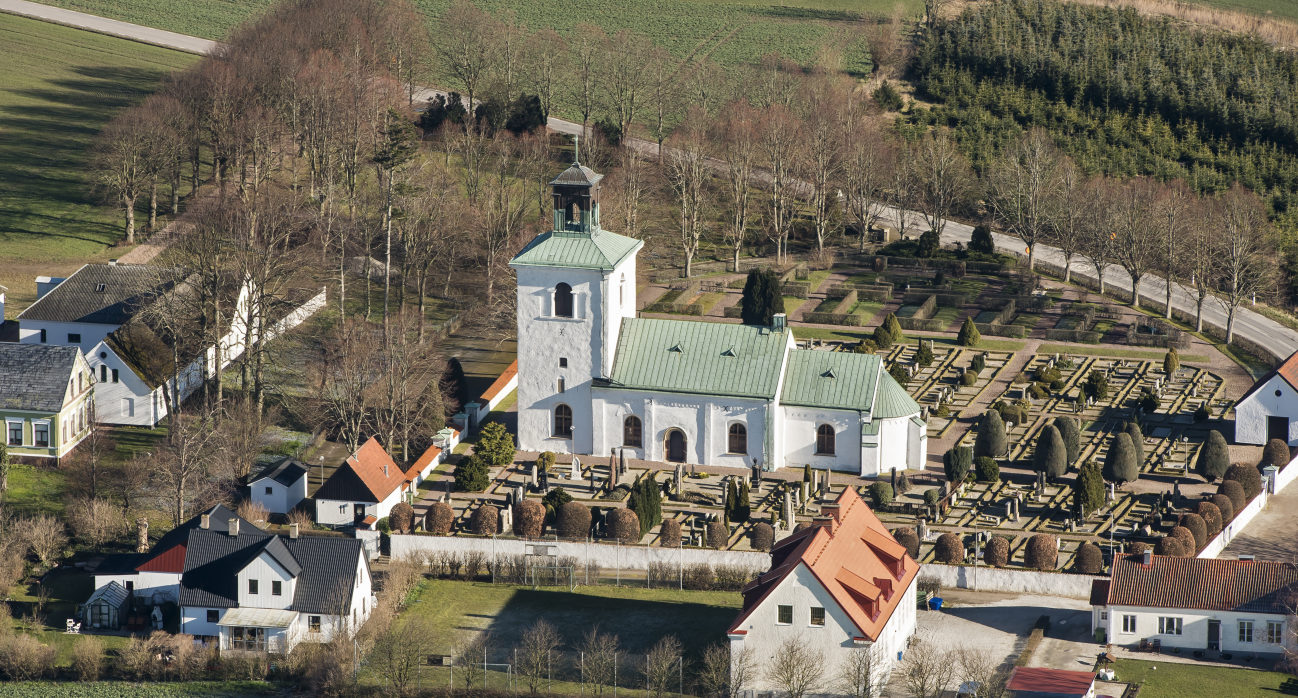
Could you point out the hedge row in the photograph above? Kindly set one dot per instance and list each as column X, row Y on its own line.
column 734, row 311
column 944, row 300
column 832, row 319
column 797, row 289
column 1011, row 331
column 1079, row 336
column 924, row 325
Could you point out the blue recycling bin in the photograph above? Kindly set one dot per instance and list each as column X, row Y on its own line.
column 935, row 604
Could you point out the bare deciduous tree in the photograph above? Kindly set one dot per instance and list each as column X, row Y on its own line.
column 588, row 42
column 928, row 669
column 598, row 658
column 1170, row 214
column 796, row 668
column 1245, row 245
column 181, row 466
column 868, row 161
column 864, row 672
column 662, row 664
column 547, row 62
column 625, row 78
column 467, row 48
column 398, row 652
column 1023, row 187
column 1097, row 238
column 687, row 173
column 982, row 669
column 93, row 520
column 471, row 653
column 780, row 144
column 1131, row 217
column 46, row 536
column 942, row 178
column 119, row 159
column 824, row 103
column 1067, row 229
column 534, row 654
column 737, row 148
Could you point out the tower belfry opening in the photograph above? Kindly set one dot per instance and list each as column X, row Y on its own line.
column 576, row 194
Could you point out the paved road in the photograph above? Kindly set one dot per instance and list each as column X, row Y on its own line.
column 112, row 27
column 1274, row 337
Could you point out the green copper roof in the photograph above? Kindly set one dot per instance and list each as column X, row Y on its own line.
column 893, row 400
column 830, row 379
column 709, row 358
column 597, row 250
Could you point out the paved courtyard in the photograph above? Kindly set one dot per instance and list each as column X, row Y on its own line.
column 1272, row 534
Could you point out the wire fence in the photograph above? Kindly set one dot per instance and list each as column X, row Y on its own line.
column 508, row 670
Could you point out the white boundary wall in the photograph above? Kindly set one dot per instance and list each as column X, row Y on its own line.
column 636, row 557
column 1218, row 544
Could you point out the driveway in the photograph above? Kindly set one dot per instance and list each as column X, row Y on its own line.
column 1001, row 623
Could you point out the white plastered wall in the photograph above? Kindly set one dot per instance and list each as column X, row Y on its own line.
column 145, row 407
column 800, row 425
column 705, row 421
column 1251, row 413
column 1194, row 628
column 56, row 333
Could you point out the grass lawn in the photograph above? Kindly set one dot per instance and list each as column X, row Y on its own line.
column 707, row 300
column 866, row 309
column 971, row 286
column 61, row 86
column 1116, row 353
column 985, row 343
column 862, row 278
column 946, row 315
column 816, row 278
column 1027, row 321
column 638, row 616
column 67, row 589
column 1170, row 680
column 792, row 303
column 35, row 489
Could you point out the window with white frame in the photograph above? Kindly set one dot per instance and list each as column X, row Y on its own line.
column 41, row 434
column 15, row 434
column 1275, row 632
column 817, row 616
column 1128, row 624
column 1169, row 625
column 785, row 615
column 1246, row 631
column 1104, row 615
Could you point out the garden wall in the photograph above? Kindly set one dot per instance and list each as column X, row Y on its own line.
column 1076, row 586
column 1219, row 542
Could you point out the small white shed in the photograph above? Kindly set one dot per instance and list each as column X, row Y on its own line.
column 280, row 486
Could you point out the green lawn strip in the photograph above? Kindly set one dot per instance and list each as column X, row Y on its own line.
column 1026, row 320
column 946, row 316
column 828, row 305
column 670, row 296
column 971, row 286
column 35, row 489
column 792, row 303
column 1116, row 353
column 866, row 309
column 61, row 86
column 1174, row 680
column 1255, row 367
column 816, row 278
column 984, row 344
column 862, row 278
column 708, row 300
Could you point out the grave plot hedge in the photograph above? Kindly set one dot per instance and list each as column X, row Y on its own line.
column 1248, row 477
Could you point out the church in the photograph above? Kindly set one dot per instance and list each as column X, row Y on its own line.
column 594, row 378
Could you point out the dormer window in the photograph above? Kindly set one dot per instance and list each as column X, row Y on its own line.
column 100, row 288
column 563, row 300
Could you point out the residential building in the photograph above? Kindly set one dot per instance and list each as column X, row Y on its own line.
column 840, row 585
column 1263, row 413
column 86, row 307
column 1196, row 604
column 363, row 489
column 1051, row 683
column 280, row 486
column 593, row 377
column 46, row 398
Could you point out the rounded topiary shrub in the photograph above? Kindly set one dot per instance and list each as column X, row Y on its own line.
column 1137, row 548
column 1235, row 492
column 529, row 519
column 472, row 474
column 762, row 537
column 956, row 462
column 968, row 379
column 624, row 525
column 439, row 518
column 573, row 520
column 1197, row 528
column 1214, row 456
column 949, row 549
column 988, row 469
column 669, row 533
column 1168, row 546
column 1120, row 463
column 997, row 552
column 1248, row 477
column 402, row 518
column 903, row 483
column 881, row 494
column 1225, row 506
column 485, row 520
column 991, row 438
column 1276, row 453
column 906, row 536
column 1051, row 455
column 1089, row 559
column 1042, row 552
column 1185, row 537
column 931, row 496
column 718, row 535
column 1211, row 516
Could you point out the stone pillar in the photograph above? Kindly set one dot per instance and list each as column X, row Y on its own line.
column 788, row 510
column 576, row 469
column 506, row 520
column 922, row 529
column 677, row 480
column 532, row 480
column 142, row 535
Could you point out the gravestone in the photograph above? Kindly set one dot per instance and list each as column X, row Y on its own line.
column 788, row 510
column 922, row 529
column 576, row 469
column 545, row 481
column 676, row 480
column 506, row 521
column 894, row 479
column 532, row 480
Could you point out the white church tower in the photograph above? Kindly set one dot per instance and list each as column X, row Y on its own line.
column 575, row 285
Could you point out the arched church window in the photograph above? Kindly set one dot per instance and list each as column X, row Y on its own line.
column 563, row 421
column 563, row 300
column 825, row 440
column 621, row 291
column 631, row 432
column 738, row 438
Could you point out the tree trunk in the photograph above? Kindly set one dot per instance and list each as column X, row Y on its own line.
column 387, row 263
column 1135, row 290
column 129, row 203
column 1068, row 267
column 153, row 206
column 423, row 277
column 1230, row 324
column 218, row 353
column 1198, row 315
column 175, row 192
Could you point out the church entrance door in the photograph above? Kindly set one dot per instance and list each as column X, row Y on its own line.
column 676, row 446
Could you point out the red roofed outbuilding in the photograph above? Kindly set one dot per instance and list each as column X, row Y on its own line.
column 368, row 483
column 840, row 585
column 1051, row 683
column 1263, row 413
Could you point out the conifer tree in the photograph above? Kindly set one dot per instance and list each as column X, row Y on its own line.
column 762, row 298
column 894, row 328
column 991, row 438
column 969, row 335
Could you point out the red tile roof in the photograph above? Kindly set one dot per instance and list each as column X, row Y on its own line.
column 499, row 385
column 429, row 456
column 853, row 556
column 170, row 560
column 1206, row 584
column 1053, row 681
column 1099, row 592
column 1287, row 370
column 369, row 475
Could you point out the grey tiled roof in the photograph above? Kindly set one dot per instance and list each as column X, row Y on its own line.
column 121, row 563
column 35, row 376
column 577, row 174
column 126, row 288
column 325, row 568
column 219, row 521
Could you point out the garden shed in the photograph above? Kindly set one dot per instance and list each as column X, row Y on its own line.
column 104, row 609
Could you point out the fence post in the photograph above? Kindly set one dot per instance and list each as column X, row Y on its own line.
column 680, row 569
column 618, row 553
column 646, row 565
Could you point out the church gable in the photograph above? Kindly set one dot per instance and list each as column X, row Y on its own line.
column 680, row 356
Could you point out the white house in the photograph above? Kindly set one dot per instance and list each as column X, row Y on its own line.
column 840, row 585
column 281, row 486
column 256, row 592
column 363, row 489
column 86, row 307
column 592, row 377
column 1264, row 412
column 1196, row 604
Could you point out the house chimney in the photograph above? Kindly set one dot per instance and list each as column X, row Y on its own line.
column 205, row 522
column 292, row 530
column 778, row 322
column 234, row 527
column 142, row 535
column 832, row 510
column 1246, row 558
column 112, row 262
column 1148, row 558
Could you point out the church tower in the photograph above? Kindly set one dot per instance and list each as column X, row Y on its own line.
column 575, row 285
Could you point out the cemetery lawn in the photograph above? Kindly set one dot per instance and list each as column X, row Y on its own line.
column 1171, row 680
column 61, row 86
column 637, row 615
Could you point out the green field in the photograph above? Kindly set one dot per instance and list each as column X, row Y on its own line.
column 60, row 86
column 1168, row 680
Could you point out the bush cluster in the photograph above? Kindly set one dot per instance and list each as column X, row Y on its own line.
column 402, row 518
column 881, row 494
column 988, row 469
column 1248, row 477
column 949, row 549
column 573, row 520
column 718, row 535
column 956, row 462
column 968, row 379
column 1042, row 552
column 1089, row 559
column 669, row 533
column 997, row 552
column 763, row 537
column 439, row 518
column 907, row 538
column 485, row 520
column 472, row 474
